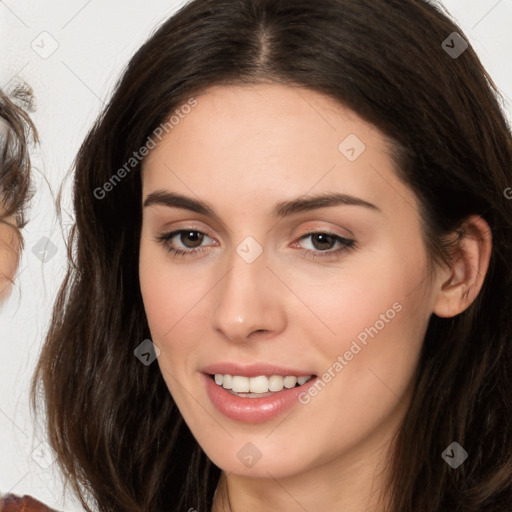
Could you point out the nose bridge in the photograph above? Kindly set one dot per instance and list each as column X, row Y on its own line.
column 247, row 299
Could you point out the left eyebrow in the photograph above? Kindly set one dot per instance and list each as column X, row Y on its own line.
column 303, row 204
column 283, row 209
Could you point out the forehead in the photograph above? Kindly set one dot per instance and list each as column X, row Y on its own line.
column 264, row 141
column 251, row 114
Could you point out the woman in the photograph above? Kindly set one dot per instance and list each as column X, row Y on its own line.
column 14, row 180
column 290, row 287
column 16, row 129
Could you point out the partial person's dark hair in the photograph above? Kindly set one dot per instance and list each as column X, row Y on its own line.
column 120, row 439
column 17, row 131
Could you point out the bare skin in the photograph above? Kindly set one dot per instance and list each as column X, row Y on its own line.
column 9, row 255
column 243, row 150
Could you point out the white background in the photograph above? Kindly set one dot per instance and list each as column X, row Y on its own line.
column 95, row 41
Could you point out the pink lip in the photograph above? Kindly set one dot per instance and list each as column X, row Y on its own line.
column 253, row 370
column 254, row 410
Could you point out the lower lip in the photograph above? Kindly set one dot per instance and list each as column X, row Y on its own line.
column 253, row 410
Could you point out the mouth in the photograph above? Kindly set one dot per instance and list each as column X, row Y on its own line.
column 259, row 386
column 258, row 398
column 256, row 392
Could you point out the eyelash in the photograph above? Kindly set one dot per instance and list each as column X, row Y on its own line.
column 346, row 244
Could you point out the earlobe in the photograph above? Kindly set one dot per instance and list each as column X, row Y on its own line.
column 461, row 283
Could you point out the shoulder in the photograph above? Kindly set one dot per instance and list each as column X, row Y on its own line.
column 13, row 503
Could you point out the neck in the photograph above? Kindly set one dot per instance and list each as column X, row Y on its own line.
column 221, row 496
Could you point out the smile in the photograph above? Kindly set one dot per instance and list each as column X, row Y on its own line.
column 251, row 387
column 255, row 399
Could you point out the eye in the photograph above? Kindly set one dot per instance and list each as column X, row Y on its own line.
column 321, row 242
column 190, row 238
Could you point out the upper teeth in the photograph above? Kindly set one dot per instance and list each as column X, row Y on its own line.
column 260, row 384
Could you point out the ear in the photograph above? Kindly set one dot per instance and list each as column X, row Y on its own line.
column 459, row 284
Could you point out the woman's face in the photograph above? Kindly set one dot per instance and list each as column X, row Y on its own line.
column 9, row 251
column 270, row 292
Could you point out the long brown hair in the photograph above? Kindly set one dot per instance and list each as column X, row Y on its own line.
column 119, row 436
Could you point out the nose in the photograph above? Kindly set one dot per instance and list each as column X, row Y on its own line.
column 250, row 302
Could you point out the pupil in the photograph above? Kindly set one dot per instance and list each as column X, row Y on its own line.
column 194, row 234
column 324, row 237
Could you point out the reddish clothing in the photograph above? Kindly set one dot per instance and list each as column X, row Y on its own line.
column 13, row 503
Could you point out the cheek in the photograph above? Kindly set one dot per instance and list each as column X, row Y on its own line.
column 374, row 314
column 172, row 302
column 379, row 319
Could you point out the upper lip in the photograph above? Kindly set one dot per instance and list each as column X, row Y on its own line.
column 253, row 370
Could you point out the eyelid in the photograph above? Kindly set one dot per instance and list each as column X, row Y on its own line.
column 192, row 225
column 328, row 231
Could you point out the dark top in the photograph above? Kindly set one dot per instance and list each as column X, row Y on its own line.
column 13, row 503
